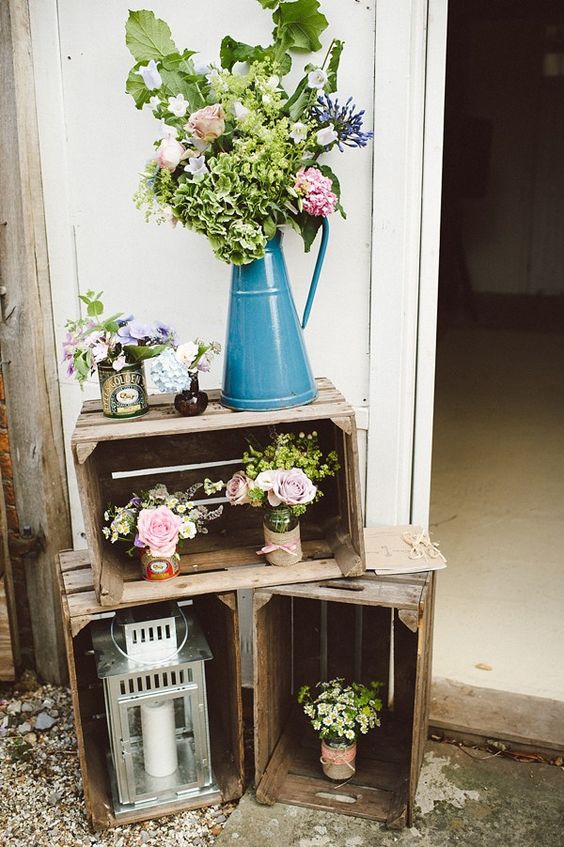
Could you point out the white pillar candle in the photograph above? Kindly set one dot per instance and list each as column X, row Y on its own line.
column 159, row 738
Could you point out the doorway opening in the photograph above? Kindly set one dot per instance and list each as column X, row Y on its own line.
column 498, row 450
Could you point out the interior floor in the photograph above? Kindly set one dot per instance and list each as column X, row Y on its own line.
column 497, row 510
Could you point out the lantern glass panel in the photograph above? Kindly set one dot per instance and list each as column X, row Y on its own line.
column 161, row 746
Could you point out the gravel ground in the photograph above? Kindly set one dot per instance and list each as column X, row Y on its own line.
column 41, row 801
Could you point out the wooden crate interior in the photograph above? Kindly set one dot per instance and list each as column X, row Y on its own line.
column 219, row 622
column 316, row 640
column 116, row 469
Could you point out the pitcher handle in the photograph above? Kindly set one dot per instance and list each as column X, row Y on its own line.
column 316, row 271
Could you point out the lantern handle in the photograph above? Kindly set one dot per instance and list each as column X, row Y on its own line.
column 161, row 661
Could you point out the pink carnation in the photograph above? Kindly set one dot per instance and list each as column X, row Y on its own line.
column 318, row 198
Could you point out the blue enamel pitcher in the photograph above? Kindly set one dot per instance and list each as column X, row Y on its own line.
column 266, row 363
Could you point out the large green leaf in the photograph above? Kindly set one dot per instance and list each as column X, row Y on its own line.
column 139, row 352
column 137, row 88
column 333, row 66
column 237, row 51
column 148, row 37
column 299, row 25
column 326, row 171
column 232, row 51
column 309, row 225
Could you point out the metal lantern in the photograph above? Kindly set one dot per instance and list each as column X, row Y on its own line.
column 151, row 662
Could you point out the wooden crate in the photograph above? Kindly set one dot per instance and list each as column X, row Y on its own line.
column 212, row 445
column 304, row 633
column 219, row 620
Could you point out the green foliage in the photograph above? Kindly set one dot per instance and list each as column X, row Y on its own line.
column 147, row 36
column 136, row 87
column 94, row 306
column 287, row 451
column 333, row 66
column 299, row 25
column 244, row 188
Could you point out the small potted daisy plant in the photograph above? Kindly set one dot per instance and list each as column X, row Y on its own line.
column 339, row 712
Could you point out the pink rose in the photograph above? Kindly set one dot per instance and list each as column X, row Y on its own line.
column 158, row 530
column 237, row 489
column 293, row 488
column 207, row 124
column 170, row 153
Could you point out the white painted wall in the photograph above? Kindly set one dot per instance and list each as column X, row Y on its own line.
column 94, row 144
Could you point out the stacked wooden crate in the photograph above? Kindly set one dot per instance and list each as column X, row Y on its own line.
column 113, row 460
column 218, row 617
column 371, row 628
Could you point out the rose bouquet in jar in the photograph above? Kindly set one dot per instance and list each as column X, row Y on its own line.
column 158, row 525
column 283, row 479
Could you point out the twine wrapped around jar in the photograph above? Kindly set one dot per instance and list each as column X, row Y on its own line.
column 338, row 762
column 282, row 546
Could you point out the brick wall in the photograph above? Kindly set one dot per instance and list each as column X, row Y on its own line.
column 24, row 623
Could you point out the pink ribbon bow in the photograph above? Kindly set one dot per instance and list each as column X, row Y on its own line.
column 269, row 548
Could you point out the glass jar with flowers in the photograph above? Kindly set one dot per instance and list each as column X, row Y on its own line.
column 115, row 347
column 283, row 479
column 339, row 712
column 177, row 370
column 158, row 525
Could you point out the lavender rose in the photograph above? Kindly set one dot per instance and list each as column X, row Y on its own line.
column 237, row 489
column 207, row 124
column 293, row 488
column 158, row 530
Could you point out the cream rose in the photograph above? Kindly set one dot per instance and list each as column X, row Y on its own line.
column 158, row 530
column 170, row 153
column 207, row 124
column 237, row 489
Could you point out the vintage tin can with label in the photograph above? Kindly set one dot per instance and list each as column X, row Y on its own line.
column 123, row 392
column 159, row 567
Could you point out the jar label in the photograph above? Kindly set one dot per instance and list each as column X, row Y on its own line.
column 123, row 394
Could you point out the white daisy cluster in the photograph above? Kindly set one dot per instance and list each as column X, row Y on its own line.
column 339, row 712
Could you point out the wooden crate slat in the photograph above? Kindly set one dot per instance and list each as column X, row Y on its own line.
column 360, row 802
column 92, row 426
column 72, row 559
column 356, row 591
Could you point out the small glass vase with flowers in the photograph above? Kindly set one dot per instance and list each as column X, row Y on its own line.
column 339, row 712
column 158, row 525
column 177, row 371
column 283, row 479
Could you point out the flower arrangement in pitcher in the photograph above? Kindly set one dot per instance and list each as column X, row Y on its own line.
column 282, row 479
column 158, row 524
column 115, row 347
column 339, row 712
column 238, row 155
column 177, row 370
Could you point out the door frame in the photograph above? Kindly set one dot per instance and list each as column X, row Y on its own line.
column 410, row 69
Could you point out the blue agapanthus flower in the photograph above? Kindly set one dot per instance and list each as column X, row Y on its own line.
column 346, row 121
